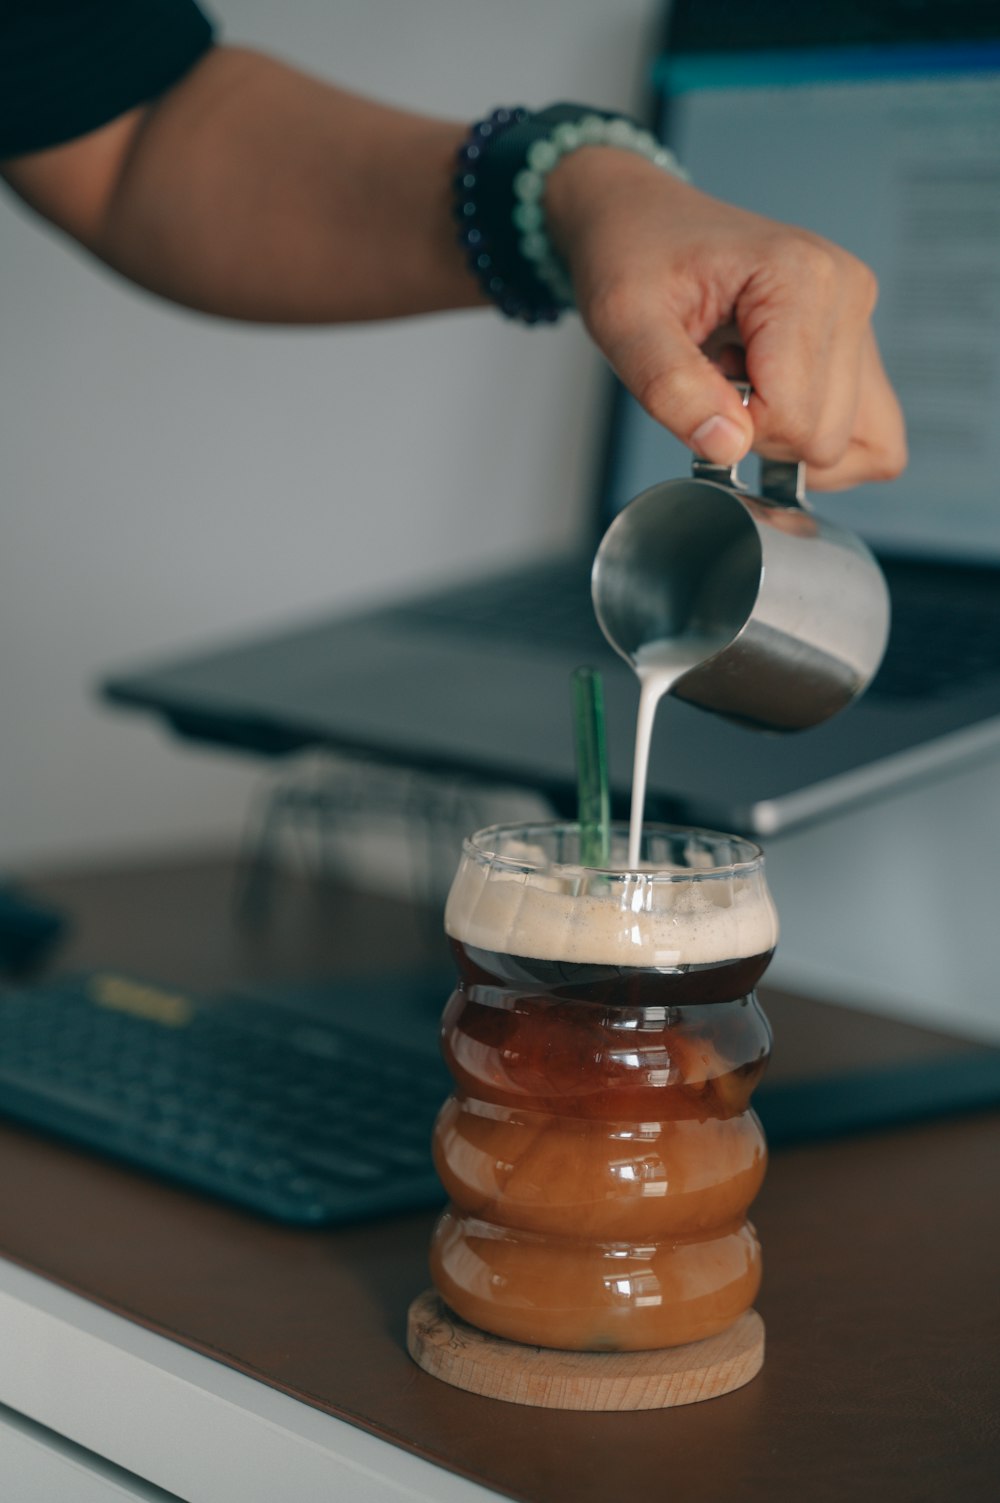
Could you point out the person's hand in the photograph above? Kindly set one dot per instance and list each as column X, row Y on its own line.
column 659, row 269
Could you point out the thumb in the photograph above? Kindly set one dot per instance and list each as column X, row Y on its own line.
column 680, row 387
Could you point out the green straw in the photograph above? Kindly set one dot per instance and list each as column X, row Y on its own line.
column 591, row 767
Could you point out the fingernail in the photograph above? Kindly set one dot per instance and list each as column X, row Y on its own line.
column 719, row 440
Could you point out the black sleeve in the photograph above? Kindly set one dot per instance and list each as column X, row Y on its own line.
column 69, row 66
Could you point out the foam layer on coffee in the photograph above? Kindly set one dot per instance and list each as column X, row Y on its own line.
column 631, row 923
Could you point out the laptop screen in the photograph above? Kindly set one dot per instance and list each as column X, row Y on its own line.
column 891, row 149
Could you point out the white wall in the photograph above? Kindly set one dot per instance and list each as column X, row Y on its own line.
column 166, row 479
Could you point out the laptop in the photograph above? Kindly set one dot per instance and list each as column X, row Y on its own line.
column 879, row 126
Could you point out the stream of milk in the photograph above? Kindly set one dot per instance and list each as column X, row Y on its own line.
column 659, row 665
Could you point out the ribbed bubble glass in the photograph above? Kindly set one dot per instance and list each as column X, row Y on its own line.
column 604, row 1038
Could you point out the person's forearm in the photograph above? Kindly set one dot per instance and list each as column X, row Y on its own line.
column 253, row 191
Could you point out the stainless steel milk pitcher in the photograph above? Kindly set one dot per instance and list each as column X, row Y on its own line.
column 794, row 611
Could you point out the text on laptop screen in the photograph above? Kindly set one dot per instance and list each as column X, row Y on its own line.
column 893, row 152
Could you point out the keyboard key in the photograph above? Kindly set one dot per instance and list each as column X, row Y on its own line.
column 342, row 1164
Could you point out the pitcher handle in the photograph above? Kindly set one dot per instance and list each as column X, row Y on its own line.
column 784, row 482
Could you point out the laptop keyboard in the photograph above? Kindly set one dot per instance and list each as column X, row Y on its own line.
column 292, row 1117
column 936, row 648
column 548, row 607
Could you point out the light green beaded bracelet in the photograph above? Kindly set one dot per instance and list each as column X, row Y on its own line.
column 542, row 156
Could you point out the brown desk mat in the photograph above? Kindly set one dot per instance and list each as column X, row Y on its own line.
column 880, row 1300
column 880, row 1291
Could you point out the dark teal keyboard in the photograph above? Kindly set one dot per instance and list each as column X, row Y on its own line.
column 286, row 1114
column 277, row 1107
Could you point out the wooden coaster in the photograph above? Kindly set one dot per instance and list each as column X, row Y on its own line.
column 448, row 1348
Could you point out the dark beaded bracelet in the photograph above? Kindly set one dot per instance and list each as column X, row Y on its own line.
column 499, row 199
column 484, row 227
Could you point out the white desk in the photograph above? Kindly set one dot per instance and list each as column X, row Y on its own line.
column 130, row 1415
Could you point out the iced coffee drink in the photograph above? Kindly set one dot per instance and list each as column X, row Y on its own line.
column 599, row 1150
